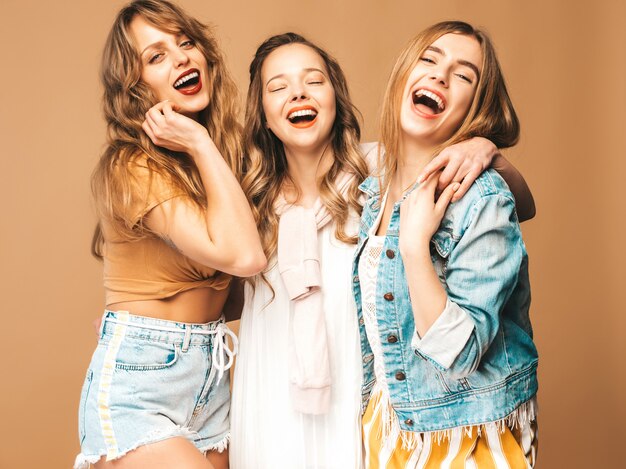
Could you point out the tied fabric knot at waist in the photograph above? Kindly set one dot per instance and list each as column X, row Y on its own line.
column 222, row 350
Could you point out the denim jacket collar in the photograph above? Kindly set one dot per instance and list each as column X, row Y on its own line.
column 371, row 187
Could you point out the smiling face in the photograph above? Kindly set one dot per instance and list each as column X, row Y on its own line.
column 440, row 89
column 172, row 66
column 298, row 98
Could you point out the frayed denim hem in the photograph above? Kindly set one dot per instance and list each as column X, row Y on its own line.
column 83, row 460
column 220, row 446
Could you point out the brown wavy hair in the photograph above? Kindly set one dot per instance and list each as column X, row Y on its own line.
column 491, row 114
column 265, row 165
column 126, row 99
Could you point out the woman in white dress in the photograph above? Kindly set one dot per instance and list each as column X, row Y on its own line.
column 302, row 141
column 297, row 387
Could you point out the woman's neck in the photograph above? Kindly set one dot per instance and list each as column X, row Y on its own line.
column 411, row 160
column 305, row 169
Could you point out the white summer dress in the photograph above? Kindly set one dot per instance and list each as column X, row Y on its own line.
column 265, row 430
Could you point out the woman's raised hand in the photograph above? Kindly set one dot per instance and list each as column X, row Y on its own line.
column 169, row 129
column 421, row 214
column 462, row 163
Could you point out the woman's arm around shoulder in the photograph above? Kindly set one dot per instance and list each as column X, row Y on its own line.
column 465, row 161
column 524, row 201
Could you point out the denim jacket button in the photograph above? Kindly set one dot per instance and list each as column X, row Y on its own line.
column 388, row 296
column 409, row 422
column 400, row 376
column 390, row 253
column 392, row 339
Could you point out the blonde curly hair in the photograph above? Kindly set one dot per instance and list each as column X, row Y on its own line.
column 126, row 100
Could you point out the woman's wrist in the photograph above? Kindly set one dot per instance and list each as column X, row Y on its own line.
column 491, row 149
column 417, row 247
column 201, row 145
column 499, row 162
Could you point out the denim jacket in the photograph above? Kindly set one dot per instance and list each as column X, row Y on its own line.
column 478, row 362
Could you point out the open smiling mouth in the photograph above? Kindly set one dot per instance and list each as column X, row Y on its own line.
column 428, row 102
column 302, row 118
column 189, row 83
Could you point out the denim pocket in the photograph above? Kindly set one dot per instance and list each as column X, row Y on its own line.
column 442, row 382
column 84, row 394
column 142, row 355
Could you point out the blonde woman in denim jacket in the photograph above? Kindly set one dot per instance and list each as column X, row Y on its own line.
column 442, row 289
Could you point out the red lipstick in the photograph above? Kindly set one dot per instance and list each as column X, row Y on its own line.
column 188, row 76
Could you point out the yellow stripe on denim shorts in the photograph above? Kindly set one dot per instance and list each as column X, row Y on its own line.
column 104, row 391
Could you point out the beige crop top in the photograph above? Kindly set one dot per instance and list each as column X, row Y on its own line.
column 149, row 268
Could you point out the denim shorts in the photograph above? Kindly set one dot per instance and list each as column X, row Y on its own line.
column 151, row 379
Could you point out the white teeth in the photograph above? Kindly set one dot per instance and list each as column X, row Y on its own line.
column 303, row 112
column 432, row 96
column 185, row 79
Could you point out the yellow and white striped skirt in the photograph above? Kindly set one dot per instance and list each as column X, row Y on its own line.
column 484, row 446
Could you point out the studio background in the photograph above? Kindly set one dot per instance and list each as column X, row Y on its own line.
column 565, row 64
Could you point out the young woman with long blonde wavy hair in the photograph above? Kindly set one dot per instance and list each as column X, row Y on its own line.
column 173, row 227
column 442, row 290
column 296, row 392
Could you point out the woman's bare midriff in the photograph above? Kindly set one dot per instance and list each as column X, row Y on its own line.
column 199, row 305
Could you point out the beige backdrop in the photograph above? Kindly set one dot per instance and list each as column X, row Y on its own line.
column 566, row 67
